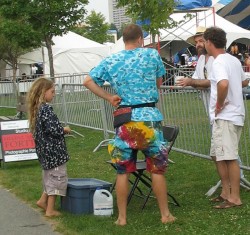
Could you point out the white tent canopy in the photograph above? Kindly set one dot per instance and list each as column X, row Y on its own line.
column 185, row 30
column 176, row 37
column 118, row 46
column 72, row 53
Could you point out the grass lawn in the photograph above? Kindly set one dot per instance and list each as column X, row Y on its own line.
column 188, row 181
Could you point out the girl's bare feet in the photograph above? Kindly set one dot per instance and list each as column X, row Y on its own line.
column 52, row 213
column 42, row 205
column 120, row 222
column 168, row 219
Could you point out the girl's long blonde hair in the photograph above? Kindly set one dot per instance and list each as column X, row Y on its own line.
column 35, row 97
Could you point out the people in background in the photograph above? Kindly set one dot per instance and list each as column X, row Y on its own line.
column 39, row 71
column 33, row 71
column 227, row 114
column 24, row 77
column 247, row 62
column 135, row 74
column 51, row 149
column 234, row 51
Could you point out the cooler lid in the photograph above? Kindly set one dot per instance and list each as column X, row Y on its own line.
column 87, row 183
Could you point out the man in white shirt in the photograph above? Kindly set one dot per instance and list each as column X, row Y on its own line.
column 200, row 78
column 227, row 113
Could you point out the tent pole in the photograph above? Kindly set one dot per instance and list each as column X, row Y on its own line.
column 158, row 44
column 43, row 60
column 214, row 15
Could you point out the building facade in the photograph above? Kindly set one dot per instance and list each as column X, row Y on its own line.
column 117, row 15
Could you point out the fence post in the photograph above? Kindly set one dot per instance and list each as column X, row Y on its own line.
column 105, row 126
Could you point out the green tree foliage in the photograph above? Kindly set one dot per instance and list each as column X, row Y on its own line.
column 157, row 12
column 94, row 28
column 16, row 38
column 47, row 17
column 113, row 27
column 9, row 52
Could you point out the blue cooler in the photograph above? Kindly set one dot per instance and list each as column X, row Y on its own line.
column 80, row 192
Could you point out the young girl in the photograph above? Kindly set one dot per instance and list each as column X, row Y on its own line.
column 51, row 149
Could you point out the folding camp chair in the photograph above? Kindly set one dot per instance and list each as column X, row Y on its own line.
column 170, row 134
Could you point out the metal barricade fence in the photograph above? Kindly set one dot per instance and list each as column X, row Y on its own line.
column 180, row 106
column 32, row 76
column 74, row 104
column 9, row 90
column 80, row 107
column 172, row 73
column 185, row 107
column 8, row 97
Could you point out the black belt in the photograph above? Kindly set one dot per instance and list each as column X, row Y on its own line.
column 138, row 105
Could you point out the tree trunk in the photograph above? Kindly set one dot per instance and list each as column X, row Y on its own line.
column 15, row 82
column 48, row 41
column 153, row 39
column 153, row 42
column 14, row 69
column 43, row 60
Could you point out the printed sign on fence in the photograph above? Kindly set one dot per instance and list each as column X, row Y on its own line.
column 16, row 141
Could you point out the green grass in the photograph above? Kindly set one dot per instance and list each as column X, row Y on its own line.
column 188, row 181
column 7, row 112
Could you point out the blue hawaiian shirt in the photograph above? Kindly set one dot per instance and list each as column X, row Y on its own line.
column 132, row 74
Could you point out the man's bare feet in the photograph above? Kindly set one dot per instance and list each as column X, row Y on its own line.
column 120, row 222
column 168, row 219
column 52, row 213
column 42, row 205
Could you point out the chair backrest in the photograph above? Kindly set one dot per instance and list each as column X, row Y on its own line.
column 170, row 133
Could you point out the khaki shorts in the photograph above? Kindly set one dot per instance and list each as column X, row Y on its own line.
column 225, row 140
column 55, row 180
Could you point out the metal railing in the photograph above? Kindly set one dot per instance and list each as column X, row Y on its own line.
column 74, row 104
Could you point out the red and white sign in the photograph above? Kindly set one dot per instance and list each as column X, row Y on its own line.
column 16, row 141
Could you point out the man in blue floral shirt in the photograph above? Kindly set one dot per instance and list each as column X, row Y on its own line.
column 135, row 74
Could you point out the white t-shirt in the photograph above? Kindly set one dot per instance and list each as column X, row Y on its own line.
column 226, row 66
column 199, row 74
column 33, row 69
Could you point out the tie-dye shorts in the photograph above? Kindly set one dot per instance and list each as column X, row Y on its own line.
column 144, row 136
